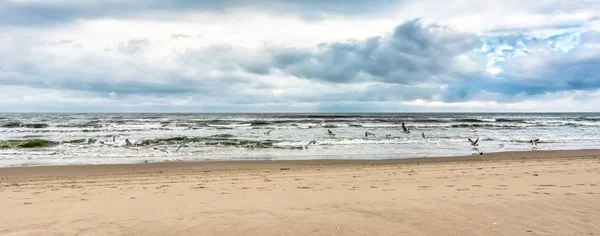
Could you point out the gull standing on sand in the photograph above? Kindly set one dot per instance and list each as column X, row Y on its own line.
column 405, row 129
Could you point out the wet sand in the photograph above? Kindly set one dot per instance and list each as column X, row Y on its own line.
column 512, row 193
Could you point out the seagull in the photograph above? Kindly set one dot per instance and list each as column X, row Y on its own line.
column 136, row 143
column 180, row 146
column 330, row 133
column 472, row 129
column 309, row 143
column 163, row 149
column 369, row 133
column 268, row 132
column 423, row 135
column 474, row 143
column 534, row 142
column 128, row 143
column 406, row 129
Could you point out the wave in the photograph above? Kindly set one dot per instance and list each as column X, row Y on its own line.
column 509, row 120
column 27, row 143
column 18, row 125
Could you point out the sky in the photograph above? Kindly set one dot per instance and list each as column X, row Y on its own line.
column 299, row 56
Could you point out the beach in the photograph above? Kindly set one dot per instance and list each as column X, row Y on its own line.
column 509, row 193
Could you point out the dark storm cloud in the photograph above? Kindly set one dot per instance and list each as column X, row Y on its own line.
column 413, row 53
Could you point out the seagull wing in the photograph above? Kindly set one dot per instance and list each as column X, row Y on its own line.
column 536, row 140
column 180, row 146
column 476, row 140
column 128, row 143
column 471, row 141
column 138, row 142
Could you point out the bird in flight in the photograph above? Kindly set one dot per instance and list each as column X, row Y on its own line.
column 406, row 129
column 474, row 143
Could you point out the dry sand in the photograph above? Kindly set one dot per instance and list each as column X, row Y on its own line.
column 518, row 193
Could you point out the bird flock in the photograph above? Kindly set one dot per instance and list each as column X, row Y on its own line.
column 474, row 142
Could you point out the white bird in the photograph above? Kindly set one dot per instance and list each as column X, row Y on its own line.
column 472, row 129
column 405, row 129
column 163, row 149
column 138, row 142
column 309, row 143
column 474, row 143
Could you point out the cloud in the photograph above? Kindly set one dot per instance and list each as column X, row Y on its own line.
column 133, row 46
column 282, row 58
column 413, row 53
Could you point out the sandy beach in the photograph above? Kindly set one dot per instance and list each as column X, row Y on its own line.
column 513, row 193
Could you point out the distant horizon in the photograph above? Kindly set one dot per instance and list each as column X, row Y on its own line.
column 426, row 112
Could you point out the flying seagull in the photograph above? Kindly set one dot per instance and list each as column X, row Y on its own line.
column 330, row 133
column 163, row 149
column 472, row 129
column 474, row 143
column 138, row 142
column 180, row 146
column 406, row 129
column 534, row 142
column 309, row 143
column 268, row 132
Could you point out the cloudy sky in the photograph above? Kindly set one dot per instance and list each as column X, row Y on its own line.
column 299, row 55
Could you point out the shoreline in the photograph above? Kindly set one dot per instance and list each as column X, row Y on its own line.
column 232, row 165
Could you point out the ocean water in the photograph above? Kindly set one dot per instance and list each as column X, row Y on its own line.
column 66, row 139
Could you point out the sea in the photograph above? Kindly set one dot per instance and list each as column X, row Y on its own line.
column 36, row 139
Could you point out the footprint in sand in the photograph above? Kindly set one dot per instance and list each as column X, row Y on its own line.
column 162, row 186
